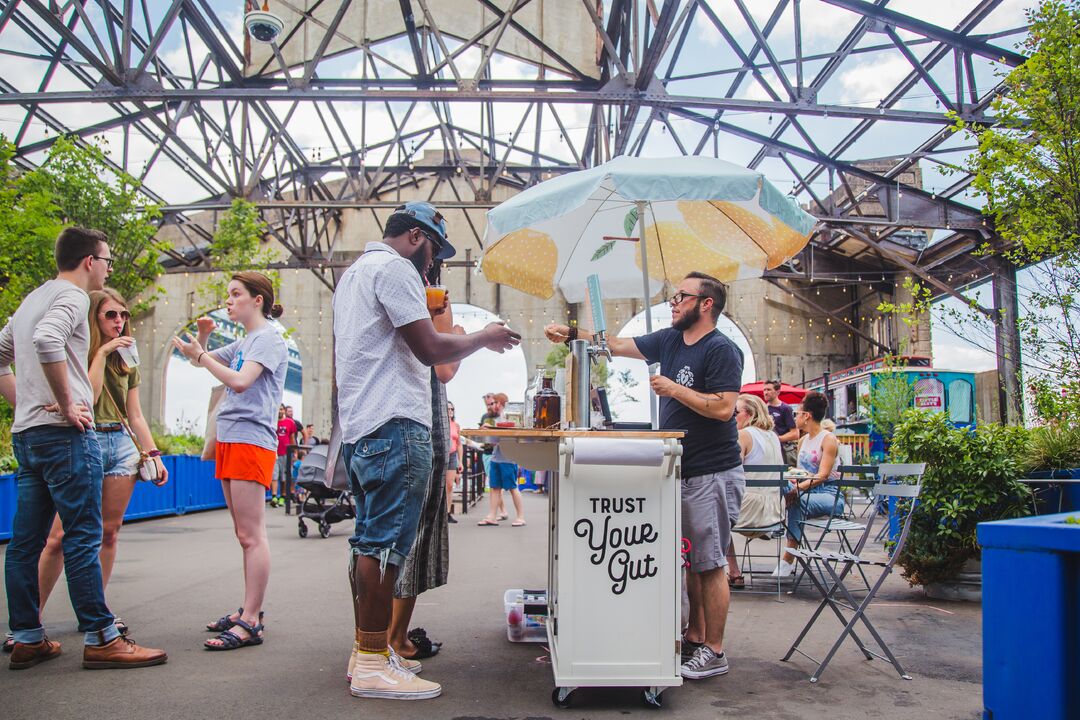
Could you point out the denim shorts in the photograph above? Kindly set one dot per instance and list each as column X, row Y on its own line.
column 503, row 476
column 118, row 454
column 389, row 471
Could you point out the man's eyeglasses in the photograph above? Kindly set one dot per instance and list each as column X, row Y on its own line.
column 438, row 245
column 678, row 297
column 108, row 260
column 113, row 314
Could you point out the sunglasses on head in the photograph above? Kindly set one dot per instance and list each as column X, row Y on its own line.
column 112, row 314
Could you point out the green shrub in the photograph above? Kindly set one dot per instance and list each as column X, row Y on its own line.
column 1054, row 447
column 177, row 443
column 971, row 477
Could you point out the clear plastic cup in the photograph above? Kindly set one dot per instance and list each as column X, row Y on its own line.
column 130, row 355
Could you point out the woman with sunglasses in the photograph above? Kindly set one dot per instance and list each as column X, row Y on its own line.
column 117, row 412
column 815, row 494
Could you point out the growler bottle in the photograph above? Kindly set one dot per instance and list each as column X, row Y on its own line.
column 546, row 407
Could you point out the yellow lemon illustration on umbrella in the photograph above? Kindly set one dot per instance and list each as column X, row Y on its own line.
column 675, row 250
column 525, row 260
column 721, row 233
column 776, row 239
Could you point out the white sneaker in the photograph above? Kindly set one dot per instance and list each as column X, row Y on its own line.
column 784, row 569
column 413, row 666
column 382, row 676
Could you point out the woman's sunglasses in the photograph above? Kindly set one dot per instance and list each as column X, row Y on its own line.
column 112, row 314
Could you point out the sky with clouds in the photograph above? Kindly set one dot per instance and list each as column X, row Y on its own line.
column 862, row 81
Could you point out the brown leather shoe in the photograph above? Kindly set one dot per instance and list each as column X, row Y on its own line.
column 121, row 653
column 25, row 655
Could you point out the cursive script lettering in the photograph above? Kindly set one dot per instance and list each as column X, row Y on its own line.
column 613, row 538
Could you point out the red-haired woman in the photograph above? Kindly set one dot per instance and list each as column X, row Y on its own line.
column 253, row 371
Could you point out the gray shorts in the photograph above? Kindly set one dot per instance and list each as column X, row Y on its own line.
column 710, row 508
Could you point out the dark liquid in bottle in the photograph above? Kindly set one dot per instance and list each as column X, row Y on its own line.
column 546, row 407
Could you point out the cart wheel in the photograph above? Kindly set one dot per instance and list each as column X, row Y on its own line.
column 302, row 530
column 562, row 697
column 324, row 529
column 650, row 697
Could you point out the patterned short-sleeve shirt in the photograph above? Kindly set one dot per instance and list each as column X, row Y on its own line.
column 378, row 376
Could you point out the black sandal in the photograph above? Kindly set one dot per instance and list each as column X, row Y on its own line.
column 121, row 626
column 420, row 634
column 232, row 641
column 9, row 643
column 224, row 622
column 425, row 648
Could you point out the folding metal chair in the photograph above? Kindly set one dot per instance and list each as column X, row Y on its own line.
column 852, row 477
column 775, row 532
column 838, row 565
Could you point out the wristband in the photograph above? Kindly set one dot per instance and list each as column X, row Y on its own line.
column 154, row 453
column 571, row 334
column 198, row 360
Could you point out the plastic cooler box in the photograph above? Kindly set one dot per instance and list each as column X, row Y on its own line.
column 526, row 615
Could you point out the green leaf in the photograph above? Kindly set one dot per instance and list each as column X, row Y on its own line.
column 602, row 250
column 630, row 222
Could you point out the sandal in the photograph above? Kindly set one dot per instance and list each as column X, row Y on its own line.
column 425, row 648
column 231, row 641
column 417, row 634
column 9, row 643
column 503, row 516
column 518, row 523
column 488, row 523
column 121, row 626
column 224, row 622
column 737, row 583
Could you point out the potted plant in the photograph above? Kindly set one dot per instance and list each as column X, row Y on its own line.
column 971, row 477
column 1054, row 452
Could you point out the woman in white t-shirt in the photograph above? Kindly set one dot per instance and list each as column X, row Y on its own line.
column 253, row 370
column 760, row 507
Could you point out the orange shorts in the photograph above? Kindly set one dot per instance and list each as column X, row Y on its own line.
column 241, row 461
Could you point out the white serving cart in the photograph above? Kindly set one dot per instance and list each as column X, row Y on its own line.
column 614, row 554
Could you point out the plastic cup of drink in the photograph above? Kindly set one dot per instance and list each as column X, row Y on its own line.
column 130, row 355
column 436, row 296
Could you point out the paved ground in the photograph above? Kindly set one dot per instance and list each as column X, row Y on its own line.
column 175, row 574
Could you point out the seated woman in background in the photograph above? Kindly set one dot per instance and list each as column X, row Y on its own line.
column 813, row 496
column 761, row 507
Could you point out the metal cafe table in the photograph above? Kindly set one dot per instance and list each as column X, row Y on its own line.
column 613, row 554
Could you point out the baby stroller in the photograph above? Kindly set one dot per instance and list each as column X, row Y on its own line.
column 322, row 504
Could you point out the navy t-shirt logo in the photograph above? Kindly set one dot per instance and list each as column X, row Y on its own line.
column 685, row 376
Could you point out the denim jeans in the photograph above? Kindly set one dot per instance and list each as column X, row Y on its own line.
column 59, row 472
column 821, row 501
column 389, row 471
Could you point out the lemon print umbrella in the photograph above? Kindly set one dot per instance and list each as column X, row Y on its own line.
column 639, row 223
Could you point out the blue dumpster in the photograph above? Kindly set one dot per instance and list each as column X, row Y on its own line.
column 9, row 495
column 1031, row 629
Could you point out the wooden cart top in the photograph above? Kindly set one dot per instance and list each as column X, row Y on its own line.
column 538, row 434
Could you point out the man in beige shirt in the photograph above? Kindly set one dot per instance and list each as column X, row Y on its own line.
column 60, row 470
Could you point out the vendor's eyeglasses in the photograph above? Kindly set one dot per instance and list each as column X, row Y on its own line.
column 113, row 314
column 678, row 297
column 107, row 260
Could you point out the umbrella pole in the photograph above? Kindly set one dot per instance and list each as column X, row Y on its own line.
column 653, row 415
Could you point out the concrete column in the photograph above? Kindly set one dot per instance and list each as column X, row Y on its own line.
column 1007, row 336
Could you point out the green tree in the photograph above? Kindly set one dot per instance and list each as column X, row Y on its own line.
column 75, row 185
column 29, row 224
column 237, row 246
column 891, row 395
column 1027, row 167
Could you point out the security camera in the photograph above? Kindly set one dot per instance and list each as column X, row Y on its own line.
column 263, row 26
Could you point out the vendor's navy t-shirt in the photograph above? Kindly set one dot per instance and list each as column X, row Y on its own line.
column 713, row 364
column 783, row 418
